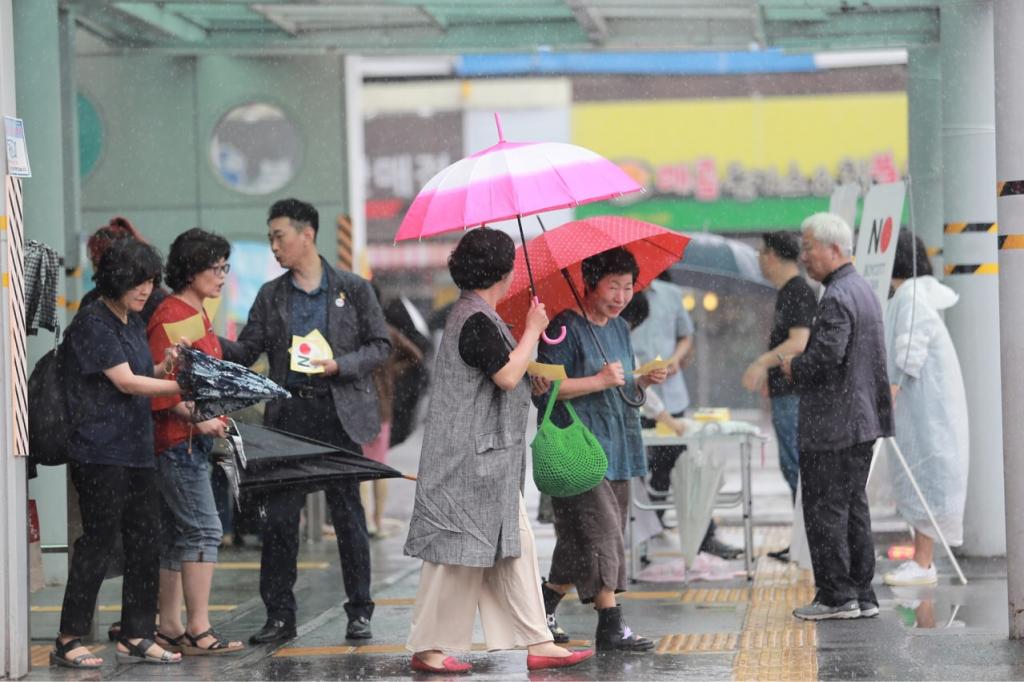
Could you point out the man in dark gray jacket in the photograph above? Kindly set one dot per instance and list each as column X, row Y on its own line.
column 845, row 406
column 337, row 406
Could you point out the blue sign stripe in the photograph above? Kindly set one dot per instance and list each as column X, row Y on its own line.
column 648, row 63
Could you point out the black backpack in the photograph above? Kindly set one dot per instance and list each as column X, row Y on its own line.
column 49, row 424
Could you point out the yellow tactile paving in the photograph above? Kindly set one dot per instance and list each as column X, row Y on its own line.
column 255, row 565
column 114, row 608
column 697, row 643
column 395, row 601
column 292, row 652
column 774, row 645
column 716, row 595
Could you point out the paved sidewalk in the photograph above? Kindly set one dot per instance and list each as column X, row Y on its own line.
column 730, row 629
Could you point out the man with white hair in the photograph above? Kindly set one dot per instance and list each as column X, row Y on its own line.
column 845, row 406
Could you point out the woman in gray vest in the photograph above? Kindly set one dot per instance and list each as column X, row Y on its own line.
column 469, row 522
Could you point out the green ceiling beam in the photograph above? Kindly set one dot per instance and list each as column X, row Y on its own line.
column 510, row 36
column 163, row 20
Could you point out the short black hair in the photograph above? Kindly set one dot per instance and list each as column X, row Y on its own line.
column 126, row 265
column 481, row 258
column 299, row 212
column 785, row 245
column 638, row 310
column 903, row 263
column 193, row 251
column 616, row 261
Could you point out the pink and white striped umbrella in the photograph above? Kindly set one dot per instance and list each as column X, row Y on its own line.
column 510, row 180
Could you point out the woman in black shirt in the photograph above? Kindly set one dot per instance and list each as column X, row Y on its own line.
column 110, row 378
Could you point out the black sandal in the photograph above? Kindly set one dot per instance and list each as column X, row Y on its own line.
column 60, row 651
column 137, row 653
column 219, row 646
column 172, row 644
column 114, row 633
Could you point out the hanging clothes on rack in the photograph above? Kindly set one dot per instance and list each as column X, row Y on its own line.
column 42, row 275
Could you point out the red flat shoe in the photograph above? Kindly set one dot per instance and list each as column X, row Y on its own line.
column 449, row 665
column 542, row 662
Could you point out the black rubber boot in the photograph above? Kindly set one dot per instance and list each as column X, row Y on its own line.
column 614, row 635
column 551, row 600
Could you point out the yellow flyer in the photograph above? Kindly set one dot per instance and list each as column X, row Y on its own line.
column 211, row 306
column 648, row 367
column 191, row 328
column 544, row 371
column 305, row 349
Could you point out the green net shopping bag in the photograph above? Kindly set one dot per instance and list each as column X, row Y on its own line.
column 566, row 461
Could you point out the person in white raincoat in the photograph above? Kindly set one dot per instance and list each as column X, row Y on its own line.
column 930, row 409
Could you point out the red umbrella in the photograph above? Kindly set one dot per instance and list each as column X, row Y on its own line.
column 558, row 254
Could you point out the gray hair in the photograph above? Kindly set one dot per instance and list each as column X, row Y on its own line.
column 828, row 228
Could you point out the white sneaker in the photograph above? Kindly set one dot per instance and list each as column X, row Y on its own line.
column 910, row 573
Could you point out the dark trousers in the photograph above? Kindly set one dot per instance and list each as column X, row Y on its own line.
column 114, row 501
column 838, row 523
column 317, row 419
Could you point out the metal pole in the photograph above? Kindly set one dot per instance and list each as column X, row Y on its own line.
column 1009, row 101
column 969, row 247
column 748, row 507
column 924, row 503
column 924, row 99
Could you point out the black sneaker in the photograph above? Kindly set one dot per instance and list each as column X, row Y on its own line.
column 818, row 611
column 868, row 609
column 720, row 549
column 558, row 633
column 358, row 628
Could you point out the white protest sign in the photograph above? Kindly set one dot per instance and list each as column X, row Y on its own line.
column 879, row 230
column 17, row 150
column 843, row 202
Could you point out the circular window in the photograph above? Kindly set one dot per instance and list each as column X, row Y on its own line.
column 255, row 149
column 90, row 136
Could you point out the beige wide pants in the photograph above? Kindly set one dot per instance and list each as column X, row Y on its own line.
column 507, row 595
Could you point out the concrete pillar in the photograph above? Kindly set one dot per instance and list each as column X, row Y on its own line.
column 969, row 247
column 924, row 95
column 1009, row 108
column 37, row 52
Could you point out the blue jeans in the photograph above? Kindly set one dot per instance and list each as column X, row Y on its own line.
column 191, row 526
column 785, row 413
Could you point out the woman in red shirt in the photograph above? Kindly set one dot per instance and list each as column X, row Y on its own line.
column 196, row 268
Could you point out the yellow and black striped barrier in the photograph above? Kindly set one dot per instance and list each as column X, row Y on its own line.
column 1009, row 188
column 960, row 228
column 977, row 269
column 1011, row 241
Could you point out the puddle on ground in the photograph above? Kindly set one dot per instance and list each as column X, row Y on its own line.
column 926, row 615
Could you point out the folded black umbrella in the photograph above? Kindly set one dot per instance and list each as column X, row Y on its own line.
column 270, row 459
column 220, row 387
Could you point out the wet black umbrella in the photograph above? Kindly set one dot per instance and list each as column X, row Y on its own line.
column 219, row 387
column 264, row 459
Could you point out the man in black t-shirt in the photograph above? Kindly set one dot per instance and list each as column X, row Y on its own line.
column 794, row 311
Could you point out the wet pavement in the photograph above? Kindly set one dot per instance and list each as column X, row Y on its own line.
column 725, row 629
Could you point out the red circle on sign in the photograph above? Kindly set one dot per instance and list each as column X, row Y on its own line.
column 886, row 234
column 304, row 348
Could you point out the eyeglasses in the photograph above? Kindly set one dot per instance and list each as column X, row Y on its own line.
column 220, row 269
